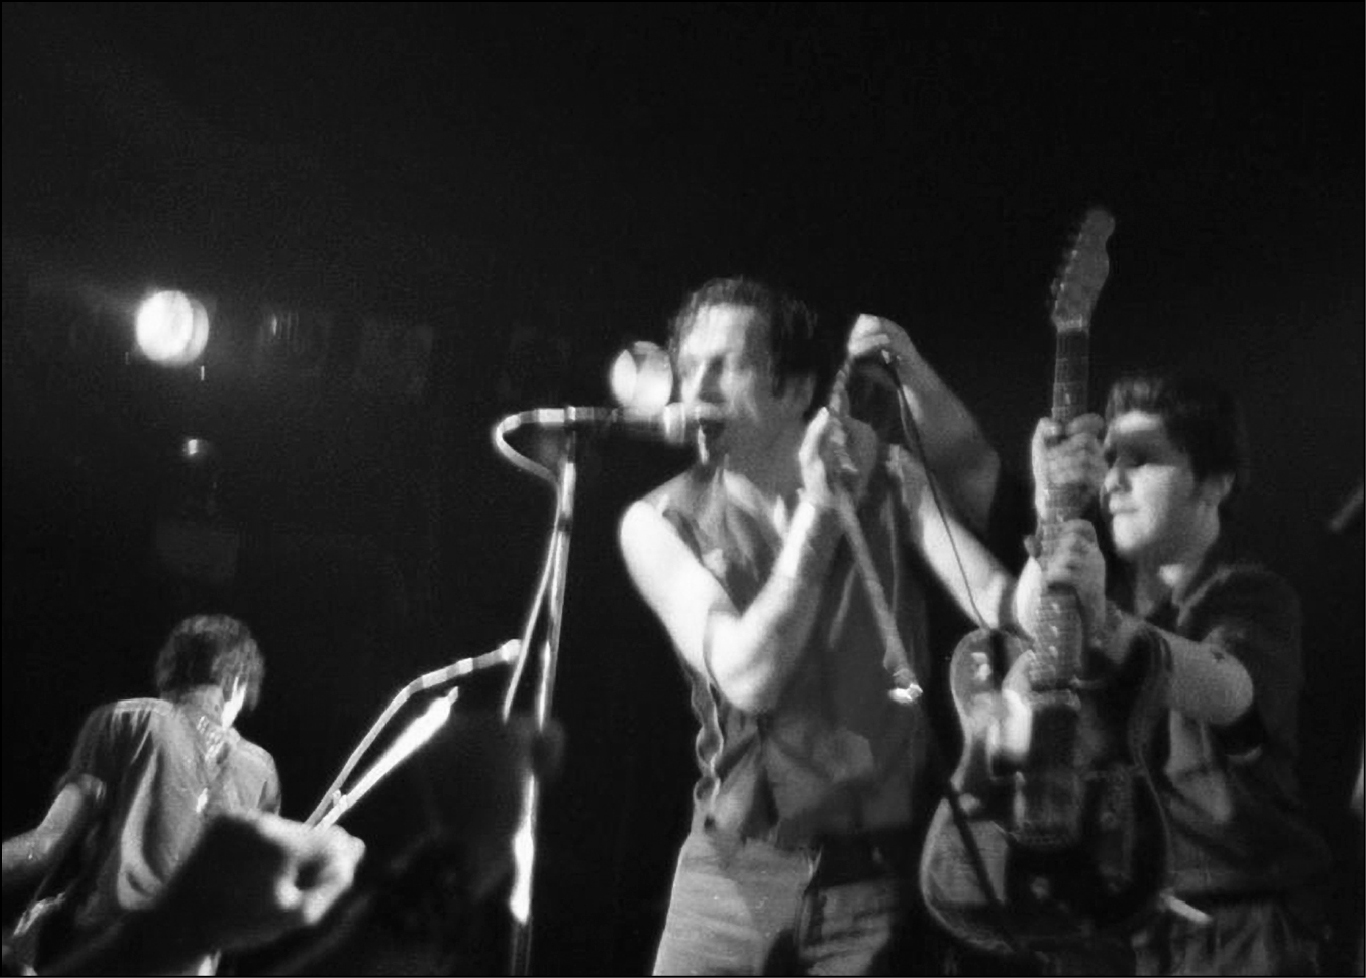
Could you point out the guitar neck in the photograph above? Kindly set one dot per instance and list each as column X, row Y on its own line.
column 1059, row 652
column 1071, row 367
column 1059, row 649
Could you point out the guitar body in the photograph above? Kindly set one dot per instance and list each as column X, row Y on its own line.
column 1069, row 833
column 1102, row 871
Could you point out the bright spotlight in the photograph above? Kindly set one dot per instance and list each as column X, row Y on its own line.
column 642, row 377
column 172, row 328
column 197, row 450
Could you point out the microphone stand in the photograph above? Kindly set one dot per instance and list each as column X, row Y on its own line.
column 547, row 604
column 417, row 733
column 335, row 803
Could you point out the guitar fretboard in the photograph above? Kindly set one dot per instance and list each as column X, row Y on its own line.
column 1058, row 650
column 1071, row 364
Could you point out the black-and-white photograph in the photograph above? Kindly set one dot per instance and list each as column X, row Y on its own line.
column 683, row 488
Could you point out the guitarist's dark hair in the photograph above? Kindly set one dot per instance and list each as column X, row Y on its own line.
column 207, row 650
column 1202, row 418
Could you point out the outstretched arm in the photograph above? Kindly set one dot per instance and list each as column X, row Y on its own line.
column 251, row 878
column 28, row 857
column 977, row 581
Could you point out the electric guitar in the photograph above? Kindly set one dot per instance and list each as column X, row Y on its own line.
column 1067, row 835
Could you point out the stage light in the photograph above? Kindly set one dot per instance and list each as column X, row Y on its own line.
column 198, row 451
column 172, row 328
column 642, row 378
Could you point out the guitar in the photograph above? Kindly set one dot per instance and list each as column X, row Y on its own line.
column 1069, row 834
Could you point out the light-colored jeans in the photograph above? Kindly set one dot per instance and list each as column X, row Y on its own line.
column 753, row 909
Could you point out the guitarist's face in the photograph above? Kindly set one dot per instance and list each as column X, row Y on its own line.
column 1159, row 512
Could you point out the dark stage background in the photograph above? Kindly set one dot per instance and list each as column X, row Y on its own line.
column 463, row 211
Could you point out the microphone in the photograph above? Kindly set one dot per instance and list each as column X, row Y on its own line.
column 675, row 424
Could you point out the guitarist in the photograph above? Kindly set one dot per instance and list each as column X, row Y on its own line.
column 145, row 777
column 1244, row 857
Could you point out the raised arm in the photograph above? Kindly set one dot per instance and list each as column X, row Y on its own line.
column 956, row 450
column 976, row 580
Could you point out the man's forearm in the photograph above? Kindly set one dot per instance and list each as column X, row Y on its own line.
column 752, row 657
column 956, row 450
column 1207, row 683
column 979, row 584
column 23, row 862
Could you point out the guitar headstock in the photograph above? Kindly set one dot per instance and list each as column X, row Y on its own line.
column 1083, row 273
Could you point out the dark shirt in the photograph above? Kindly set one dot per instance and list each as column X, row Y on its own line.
column 1237, row 821
column 163, row 768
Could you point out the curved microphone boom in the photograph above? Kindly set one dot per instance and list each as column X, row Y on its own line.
column 676, row 424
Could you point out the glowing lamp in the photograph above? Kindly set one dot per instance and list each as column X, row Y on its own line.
column 172, row 328
column 642, row 378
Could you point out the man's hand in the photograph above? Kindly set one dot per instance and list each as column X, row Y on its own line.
column 1076, row 562
column 1068, row 457
column 875, row 336
column 837, row 454
column 254, row 877
column 911, row 478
